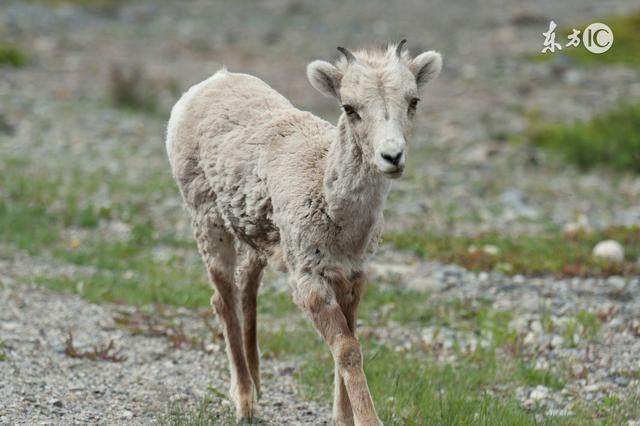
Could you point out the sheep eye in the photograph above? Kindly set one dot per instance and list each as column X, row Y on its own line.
column 413, row 104
column 350, row 111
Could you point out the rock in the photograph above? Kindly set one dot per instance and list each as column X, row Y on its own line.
column 56, row 402
column 540, row 392
column 579, row 371
column 428, row 284
column 580, row 224
column 556, row 341
column 491, row 249
column 609, row 250
column 622, row 381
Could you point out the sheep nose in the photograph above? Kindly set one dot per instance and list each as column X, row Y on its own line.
column 393, row 158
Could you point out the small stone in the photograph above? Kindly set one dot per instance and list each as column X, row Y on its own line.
column 126, row 415
column 622, row 381
column 557, row 341
column 490, row 249
column 179, row 397
column 579, row 371
column 56, row 402
column 609, row 250
column 536, row 327
column 540, row 392
column 618, row 283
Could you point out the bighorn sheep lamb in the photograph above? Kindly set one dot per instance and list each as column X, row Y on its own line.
column 259, row 176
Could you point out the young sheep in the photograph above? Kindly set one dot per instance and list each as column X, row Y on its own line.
column 260, row 176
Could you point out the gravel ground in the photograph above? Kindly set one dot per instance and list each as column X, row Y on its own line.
column 598, row 366
column 463, row 176
column 43, row 385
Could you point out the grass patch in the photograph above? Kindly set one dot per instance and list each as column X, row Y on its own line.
column 290, row 341
column 626, row 43
column 3, row 347
column 205, row 414
column 557, row 254
column 103, row 7
column 534, row 377
column 417, row 391
column 624, row 51
column 131, row 88
column 610, row 140
column 12, row 56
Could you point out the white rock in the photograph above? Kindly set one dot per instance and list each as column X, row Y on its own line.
column 491, row 249
column 540, row 392
column 428, row 284
column 609, row 250
column 536, row 327
column 557, row 341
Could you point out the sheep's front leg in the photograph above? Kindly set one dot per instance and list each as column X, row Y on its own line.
column 316, row 296
column 348, row 300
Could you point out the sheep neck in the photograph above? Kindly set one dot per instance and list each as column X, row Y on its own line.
column 354, row 190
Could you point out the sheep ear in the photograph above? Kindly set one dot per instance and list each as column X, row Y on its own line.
column 426, row 66
column 325, row 78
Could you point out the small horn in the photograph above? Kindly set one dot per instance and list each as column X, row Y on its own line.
column 400, row 47
column 347, row 54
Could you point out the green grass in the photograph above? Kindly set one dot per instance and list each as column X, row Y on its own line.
column 624, row 51
column 40, row 206
column 534, row 377
column 626, row 42
column 202, row 415
column 3, row 355
column 553, row 253
column 109, row 7
column 417, row 391
column 610, row 140
column 12, row 56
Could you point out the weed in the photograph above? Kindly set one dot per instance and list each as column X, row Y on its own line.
column 534, row 377
column 101, row 352
column 12, row 56
column 202, row 415
column 103, row 7
column 138, row 322
column 3, row 347
column 626, row 46
column 132, row 89
column 611, row 139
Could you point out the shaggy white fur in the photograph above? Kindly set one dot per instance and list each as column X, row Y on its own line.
column 260, row 176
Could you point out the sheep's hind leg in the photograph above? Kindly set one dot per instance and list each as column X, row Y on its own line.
column 248, row 278
column 315, row 294
column 218, row 252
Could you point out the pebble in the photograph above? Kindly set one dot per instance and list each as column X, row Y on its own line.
column 609, row 250
column 540, row 392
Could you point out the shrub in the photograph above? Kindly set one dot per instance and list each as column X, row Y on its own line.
column 611, row 139
column 12, row 56
column 131, row 88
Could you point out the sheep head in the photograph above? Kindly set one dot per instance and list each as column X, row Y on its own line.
column 378, row 91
